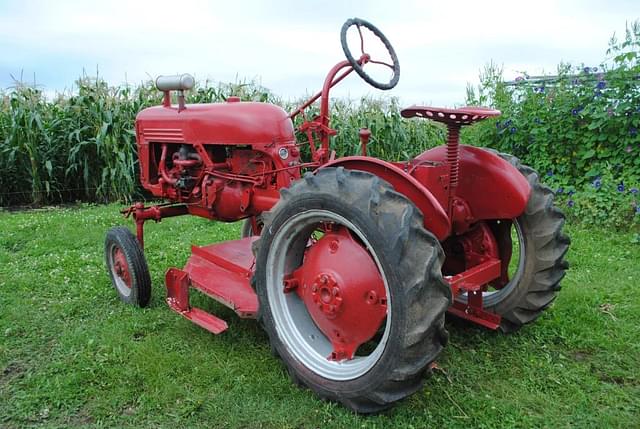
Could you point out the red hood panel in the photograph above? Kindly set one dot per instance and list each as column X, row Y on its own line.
column 217, row 123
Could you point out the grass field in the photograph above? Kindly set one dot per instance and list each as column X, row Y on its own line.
column 72, row 355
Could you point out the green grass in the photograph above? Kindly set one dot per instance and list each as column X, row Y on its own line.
column 72, row 355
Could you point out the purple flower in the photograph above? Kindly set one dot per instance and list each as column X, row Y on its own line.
column 610, row 111
column 571, row 203
column 597, row 183
column 594, row 69
column 507, row 123
column 513, row 130
column 577, row 110
column 576, row 81
column 570, row 193
column 560, row 190
column 539, row 90
column 498, row 124
column 601, row 85
column 633, row 131
column 598, row 93
column 586, row 69
column 638, row 209
column 621, row 187
column 628, row 149
column 549, row 173
column 519, row 78
column 634, row 191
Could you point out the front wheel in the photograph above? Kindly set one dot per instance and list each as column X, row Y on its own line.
column 350, row 289
column 127, row 267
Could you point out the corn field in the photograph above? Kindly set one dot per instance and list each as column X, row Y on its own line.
column 80, row 146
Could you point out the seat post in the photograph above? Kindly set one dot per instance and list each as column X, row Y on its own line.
column 454, row 119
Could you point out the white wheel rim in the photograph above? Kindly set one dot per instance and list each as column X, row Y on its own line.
column 295, row 327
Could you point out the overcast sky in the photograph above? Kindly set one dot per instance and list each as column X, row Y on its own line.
column 289, row 45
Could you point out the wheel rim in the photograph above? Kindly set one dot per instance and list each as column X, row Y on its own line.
column 120, row 270
column 293, row 322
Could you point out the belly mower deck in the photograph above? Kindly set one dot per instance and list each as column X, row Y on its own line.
column 223, row 272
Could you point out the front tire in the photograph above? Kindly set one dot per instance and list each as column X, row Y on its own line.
column 408, row 258
column 127, row 267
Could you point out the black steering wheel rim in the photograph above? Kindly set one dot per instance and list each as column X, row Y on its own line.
column 354, row 62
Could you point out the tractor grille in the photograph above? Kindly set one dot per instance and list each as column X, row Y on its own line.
column 173, row 135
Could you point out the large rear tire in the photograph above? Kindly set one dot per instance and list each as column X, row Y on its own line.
column 409, row 260
column 541, row 247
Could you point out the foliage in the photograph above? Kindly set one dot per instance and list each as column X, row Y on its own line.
column 605, row 202
column 576, row 128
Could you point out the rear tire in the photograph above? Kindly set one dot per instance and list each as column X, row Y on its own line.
column 127, row 267
column 537, row 281
column 409, row 259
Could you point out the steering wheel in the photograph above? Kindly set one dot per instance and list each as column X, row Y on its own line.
column 358, row 63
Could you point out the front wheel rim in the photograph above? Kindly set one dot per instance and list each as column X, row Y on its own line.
column 120, row 271
column 295, row 328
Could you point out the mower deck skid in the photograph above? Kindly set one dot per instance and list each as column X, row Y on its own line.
column 223, row 272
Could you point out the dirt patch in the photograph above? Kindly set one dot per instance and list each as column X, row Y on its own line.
column 81, row 419
column 618, row 380
column 10, row 372
column 581, row 355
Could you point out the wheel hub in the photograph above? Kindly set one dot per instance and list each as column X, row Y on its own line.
column 120, row 266
column 325, row 292
column 342, row 290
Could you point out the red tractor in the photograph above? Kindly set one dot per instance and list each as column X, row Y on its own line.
column 349, row 264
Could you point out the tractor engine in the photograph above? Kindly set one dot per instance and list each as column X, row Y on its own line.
column 224, row 161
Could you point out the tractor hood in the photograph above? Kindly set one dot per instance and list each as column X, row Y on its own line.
column 229, row 123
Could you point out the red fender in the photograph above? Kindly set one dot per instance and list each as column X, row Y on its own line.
column 493, row 188
column 435, row 217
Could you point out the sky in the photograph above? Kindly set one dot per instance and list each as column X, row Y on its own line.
column 289, row 45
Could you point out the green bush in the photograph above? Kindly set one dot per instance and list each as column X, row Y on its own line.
column 602, row 202
column 577, row 129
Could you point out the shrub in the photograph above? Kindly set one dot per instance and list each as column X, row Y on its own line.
column 576, row 128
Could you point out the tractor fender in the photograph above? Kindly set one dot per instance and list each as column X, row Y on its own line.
column 493, row 188
column 435, row 217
